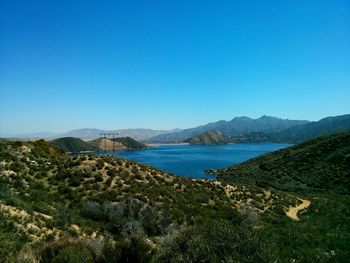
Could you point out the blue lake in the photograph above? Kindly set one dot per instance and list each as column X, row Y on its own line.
column 192, row 160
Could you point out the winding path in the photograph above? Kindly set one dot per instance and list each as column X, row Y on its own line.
column 292, row 212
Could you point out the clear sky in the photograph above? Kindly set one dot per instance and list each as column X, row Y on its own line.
column 170, row 64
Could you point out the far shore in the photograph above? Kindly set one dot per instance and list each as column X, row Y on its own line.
column 166, row 144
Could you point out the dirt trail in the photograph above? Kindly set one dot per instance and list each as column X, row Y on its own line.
column 292, row 212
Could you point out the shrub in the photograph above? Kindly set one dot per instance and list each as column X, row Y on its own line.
column 135, row 249
column 98, row 177
column 112, row 172
column 212, row 242
column 67, row 251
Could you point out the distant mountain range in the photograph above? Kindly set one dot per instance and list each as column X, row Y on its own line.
column 299, row 133
column 239, row 129
column 137, row 134
column 91, row 134
column 71, row 144
column 237, row 126
column 36, row 135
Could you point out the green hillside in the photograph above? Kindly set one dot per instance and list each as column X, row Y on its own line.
column 298, row 133
column 209, row 138
column 326, row 126
column 71, row 144
column 319, row 165
column 130, row 143
column 56, row 207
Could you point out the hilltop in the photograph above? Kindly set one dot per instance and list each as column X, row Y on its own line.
column 136, row 134
column 209, row 138
column 71, row 144
column 123, row 143
column 75, row 145
column 319, row 165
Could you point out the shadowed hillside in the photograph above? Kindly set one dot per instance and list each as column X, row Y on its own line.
column 322, row 164
column 130, row 143
column 71, row 144
column 209, row 138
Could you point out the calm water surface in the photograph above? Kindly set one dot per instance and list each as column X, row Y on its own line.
column 192, row 160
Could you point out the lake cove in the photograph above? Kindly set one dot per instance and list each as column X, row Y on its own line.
column 192, row 160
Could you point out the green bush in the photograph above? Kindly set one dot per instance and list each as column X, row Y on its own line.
column 135, row 249
column 213, row 242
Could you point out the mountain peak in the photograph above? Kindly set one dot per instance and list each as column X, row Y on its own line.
column 266, row 117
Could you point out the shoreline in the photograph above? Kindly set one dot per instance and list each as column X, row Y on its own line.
column 166, row 144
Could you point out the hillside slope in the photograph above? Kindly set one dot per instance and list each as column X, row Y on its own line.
column 137, row 134
column 319, row 165
column 123, row 143
column 209, row 138
column 56, row 207
column 70, row 144
column 298, row 134
column 130, row 143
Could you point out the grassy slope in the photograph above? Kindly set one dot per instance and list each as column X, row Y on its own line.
column 130, row 143
column 317, row 170
column 319, row 165
column 209, row 138
column 71, row 144
column 92, row 198
column 308, row 131
column 46, row 195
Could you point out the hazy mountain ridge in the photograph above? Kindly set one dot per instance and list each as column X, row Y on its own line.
column 236, row 126
column 137, row 134
column 312, row 130
column 88, row 134
column 300, row 133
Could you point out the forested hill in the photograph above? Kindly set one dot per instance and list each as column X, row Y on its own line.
column 322, row 164
column 209, row 138
column 71, row 144
column 76, row 145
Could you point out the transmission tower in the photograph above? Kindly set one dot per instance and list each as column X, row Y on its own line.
column 107, row 135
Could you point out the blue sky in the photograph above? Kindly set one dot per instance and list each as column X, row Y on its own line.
column 170, row 64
